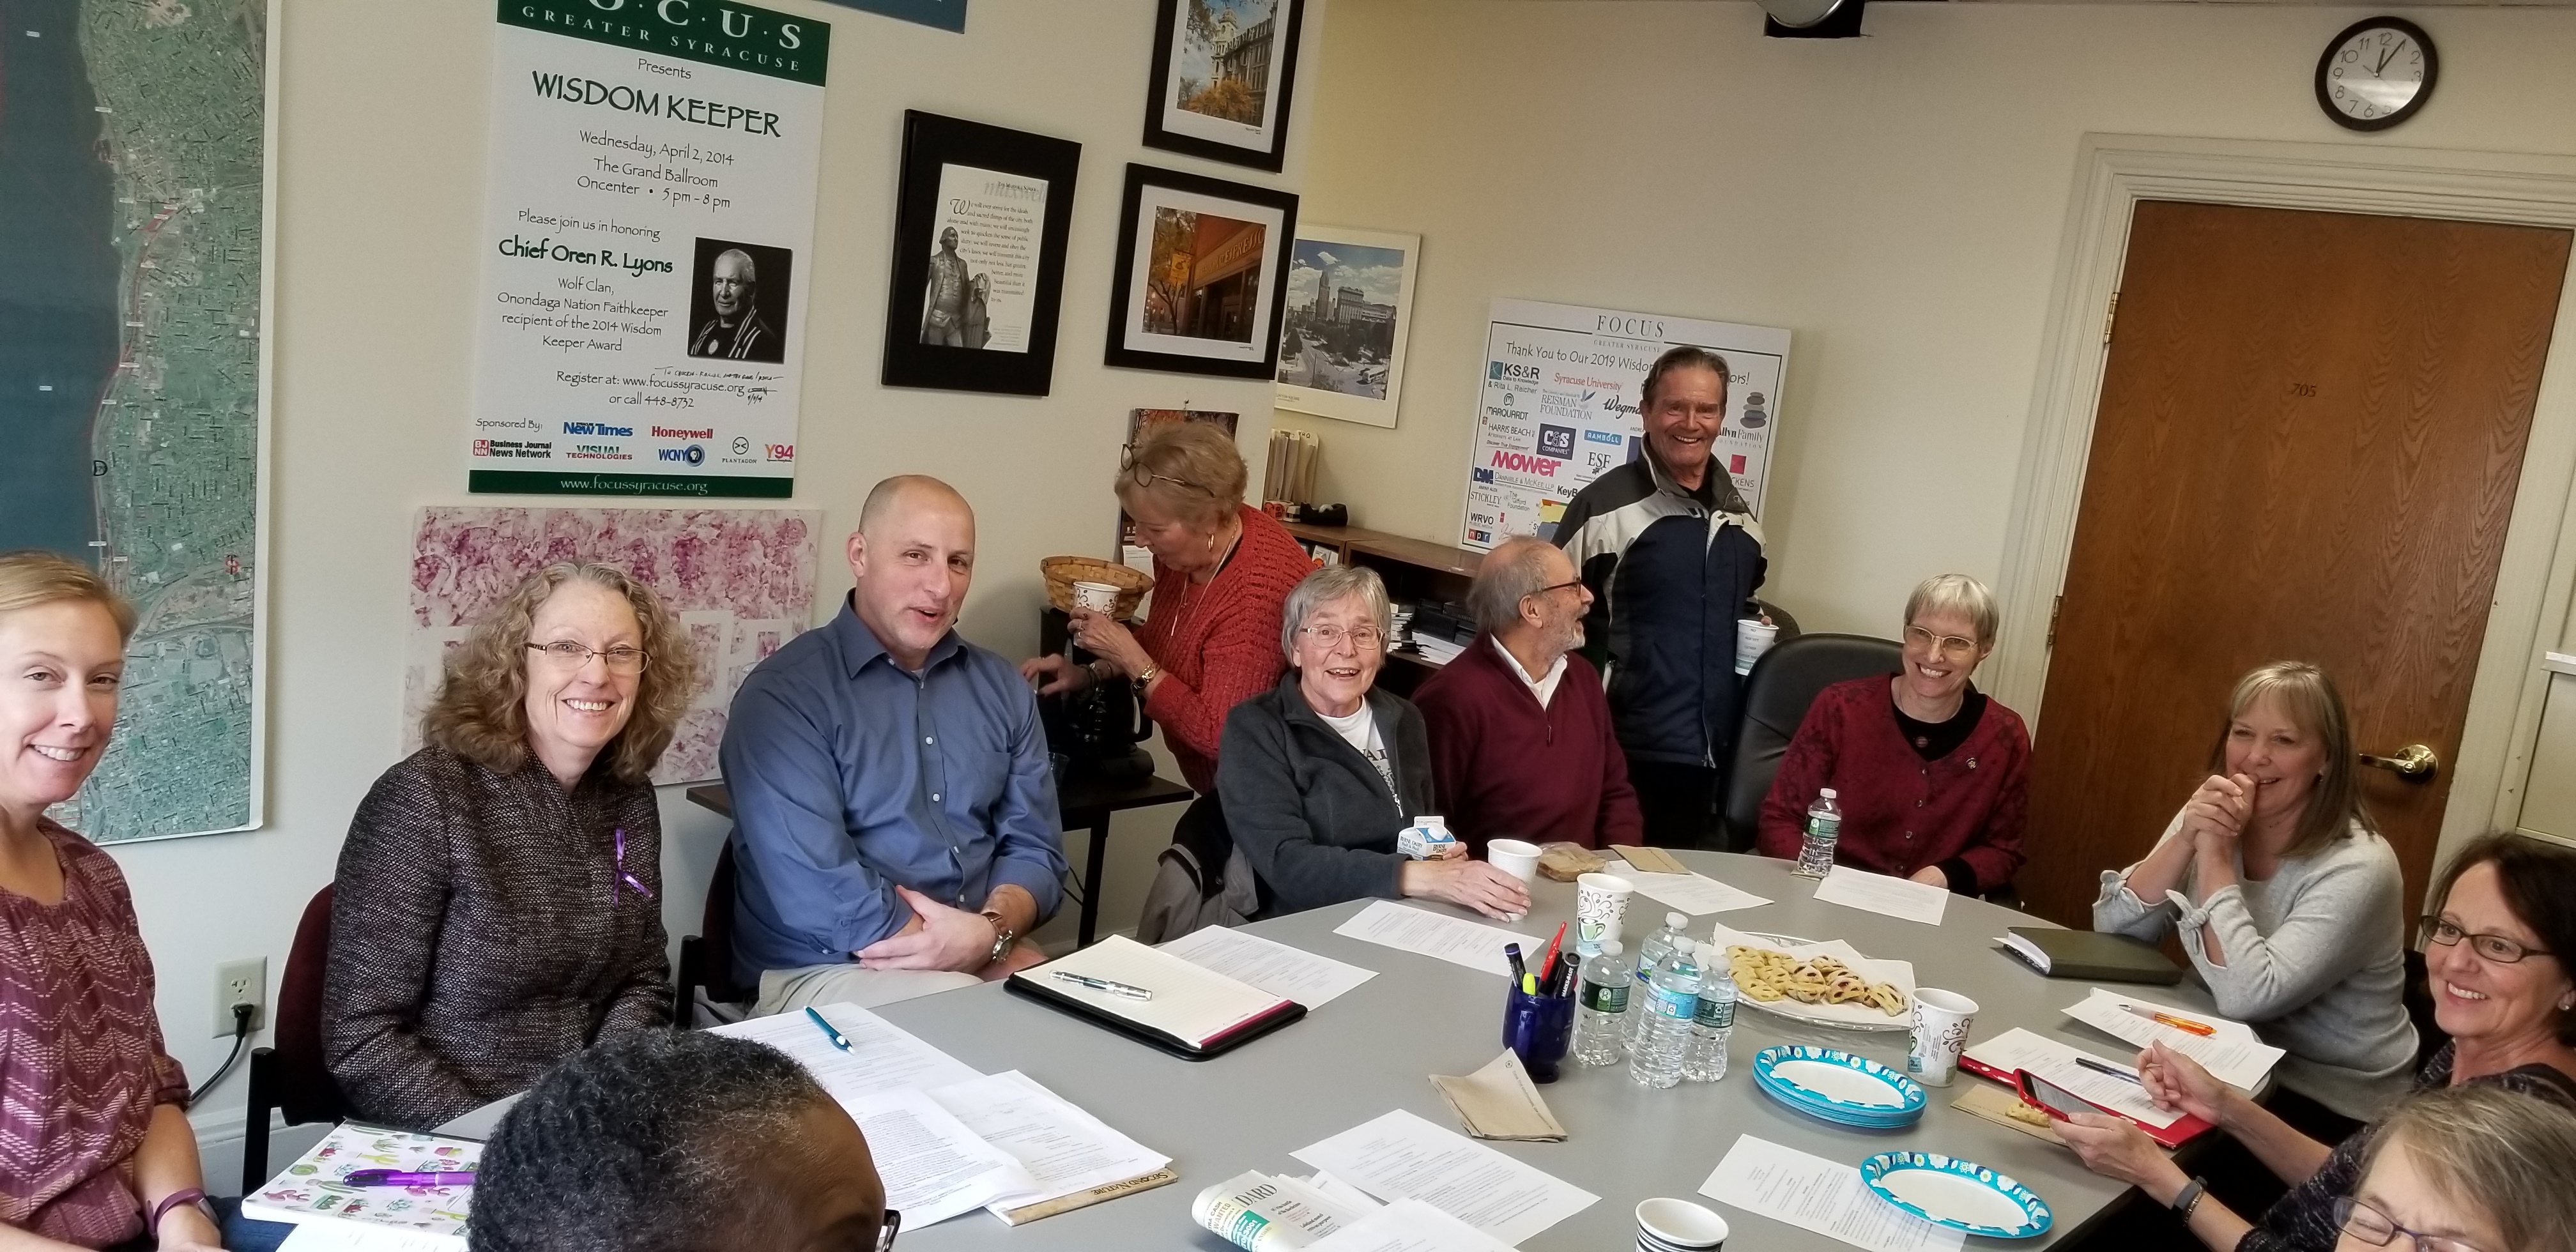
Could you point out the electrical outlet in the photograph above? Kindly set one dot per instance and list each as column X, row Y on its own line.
column 241, row 982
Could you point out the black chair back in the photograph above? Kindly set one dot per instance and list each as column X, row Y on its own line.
column 1776, row 695
column 706, row 958
column 291, row 1076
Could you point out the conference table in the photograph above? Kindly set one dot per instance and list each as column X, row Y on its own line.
column 1373, row 1049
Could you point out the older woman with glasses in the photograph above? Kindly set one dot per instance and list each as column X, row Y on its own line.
column 2466, row 1169
column 1932, row 775
column 2501, row 989
column 1319, row 775
column 498, row 904
column 1222, row 569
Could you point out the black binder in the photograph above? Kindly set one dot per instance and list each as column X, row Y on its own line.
column 2096, row 956
column 1020, row 984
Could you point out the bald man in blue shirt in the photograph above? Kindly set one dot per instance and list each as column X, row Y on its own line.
column 895, row 824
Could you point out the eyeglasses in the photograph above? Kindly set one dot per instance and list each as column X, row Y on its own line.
column 566, row 654
column 885, row 1233
column 1143, row 475
column 2372, row 1227
column 1556, row 587
column 1364, row 638
column 2496, row 948
column 1945, row 645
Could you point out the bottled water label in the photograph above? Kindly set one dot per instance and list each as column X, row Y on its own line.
column 1715, row 1014
column 1602, row 999
column 1826, row 829
column 1678, row 1005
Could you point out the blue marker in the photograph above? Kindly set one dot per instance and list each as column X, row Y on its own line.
column 838, row 1039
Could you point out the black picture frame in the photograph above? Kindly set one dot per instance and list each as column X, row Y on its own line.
column 1266, row 148
column 931, row 144
column 1256, row 355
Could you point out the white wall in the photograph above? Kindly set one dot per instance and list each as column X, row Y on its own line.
column 380, row 198
column 1897, row 201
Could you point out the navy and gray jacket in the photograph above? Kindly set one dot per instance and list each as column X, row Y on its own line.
column 1670, row 572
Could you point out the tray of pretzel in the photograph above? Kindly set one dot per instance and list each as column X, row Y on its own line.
column 1826, row 984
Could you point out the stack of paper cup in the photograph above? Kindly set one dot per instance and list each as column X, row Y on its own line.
column 1753, row 637
column 1668, row 1225
column 1941, row 1021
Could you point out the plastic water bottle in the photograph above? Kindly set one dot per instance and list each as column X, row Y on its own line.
column 1713, row 1026
column 1824, row 827
column 1672, row 1002
column 1602, row 1010
column 1650, row 956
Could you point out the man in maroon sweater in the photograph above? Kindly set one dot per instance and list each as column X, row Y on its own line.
column 1521, row 745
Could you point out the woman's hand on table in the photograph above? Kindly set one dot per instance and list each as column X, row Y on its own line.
column 2113, row 1148
column 1473, row 884
column 1054, row 674
column 2175, row 1081
column 1102, row 636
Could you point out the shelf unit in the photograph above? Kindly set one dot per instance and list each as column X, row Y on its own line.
column 1414, row 569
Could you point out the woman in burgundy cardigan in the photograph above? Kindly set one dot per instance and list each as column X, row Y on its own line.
column 1933, row 777
column 1222, row 572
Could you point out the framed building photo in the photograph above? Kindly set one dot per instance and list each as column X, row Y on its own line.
column 1341, row 343
column 979, row 237
column 1201, row 265
column 1222, row 74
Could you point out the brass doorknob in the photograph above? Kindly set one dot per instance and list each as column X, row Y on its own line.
column 2412, row 761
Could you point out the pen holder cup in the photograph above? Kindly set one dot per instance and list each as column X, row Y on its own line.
column 1538, row 1027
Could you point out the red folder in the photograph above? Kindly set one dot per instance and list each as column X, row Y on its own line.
column 2174, row 1136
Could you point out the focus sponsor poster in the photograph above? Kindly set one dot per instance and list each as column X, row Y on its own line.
column 647, row 247
column 1559, row 407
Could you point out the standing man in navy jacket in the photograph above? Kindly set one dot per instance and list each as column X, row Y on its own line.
column 1672, row 557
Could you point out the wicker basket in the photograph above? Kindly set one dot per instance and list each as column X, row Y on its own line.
column 1062, row 572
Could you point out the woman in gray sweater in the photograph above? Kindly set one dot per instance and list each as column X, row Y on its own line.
column 2286, row 898
column 1318, row 775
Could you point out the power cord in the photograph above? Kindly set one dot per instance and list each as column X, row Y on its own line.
column 241, row 1039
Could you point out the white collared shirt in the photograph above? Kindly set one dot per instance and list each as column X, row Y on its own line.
column 1543, row 686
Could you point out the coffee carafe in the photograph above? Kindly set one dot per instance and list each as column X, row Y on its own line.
column 1093, row 731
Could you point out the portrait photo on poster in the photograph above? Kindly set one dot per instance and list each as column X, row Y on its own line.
column 1341, row 340
column 738, row 301
column 981, row 220
column 1223, row 72
column 1201, row 265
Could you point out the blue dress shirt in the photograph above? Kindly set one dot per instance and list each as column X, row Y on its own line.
column 850, row 774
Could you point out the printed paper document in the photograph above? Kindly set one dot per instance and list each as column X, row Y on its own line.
column 1283, row 971
column 2018, row 1049
column 1062, row 1147
column 1696, row 894
column 1401, row 1156
column 1410, row 1226
column 1827, row 1197
column 348, row 1237
column 1452, row 939
column 2235, row 1054
column 1878, row 893
column 882, row 1055
column 933, row 1167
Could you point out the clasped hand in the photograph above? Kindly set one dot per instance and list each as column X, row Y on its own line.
column 937, row 937
column 2218, row 811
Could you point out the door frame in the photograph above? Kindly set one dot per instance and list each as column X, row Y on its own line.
column 2536, row 575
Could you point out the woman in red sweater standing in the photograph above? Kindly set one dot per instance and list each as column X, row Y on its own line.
column 1222, row 572
column 1933, row 777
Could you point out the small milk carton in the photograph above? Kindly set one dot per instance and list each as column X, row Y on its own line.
column 1428, row 838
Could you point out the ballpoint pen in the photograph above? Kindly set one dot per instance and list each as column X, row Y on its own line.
column 1103, row 984
column 2100, row 1068
column 399, row 1178
column 2203, row 1029
column 830, row 1031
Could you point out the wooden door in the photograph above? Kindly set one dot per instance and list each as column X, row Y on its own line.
column 2309, row 434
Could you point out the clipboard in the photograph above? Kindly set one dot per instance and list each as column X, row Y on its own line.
column 1196, row 1013
column 1020, row 984
column 2184, row 1130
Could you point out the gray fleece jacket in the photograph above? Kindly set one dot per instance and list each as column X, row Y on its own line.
column 1309, row 812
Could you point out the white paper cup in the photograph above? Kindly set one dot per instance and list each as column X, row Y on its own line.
column 1515, row 857
column 1753, row 637
column 1600, row 909
column 1680, row 1224
column 1941, row 1022
column 1103, row 597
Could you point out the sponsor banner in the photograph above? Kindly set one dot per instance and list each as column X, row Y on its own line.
column 1559, row 407
column 646, row 244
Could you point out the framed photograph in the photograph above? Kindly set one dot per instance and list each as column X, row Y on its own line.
column 979, row 243
column 1350, row 302
column 1222, row 74
column 1201, row 265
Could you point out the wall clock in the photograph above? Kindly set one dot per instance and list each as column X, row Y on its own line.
column 2377, row 73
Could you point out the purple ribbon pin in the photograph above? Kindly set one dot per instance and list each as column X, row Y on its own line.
column 623, row 876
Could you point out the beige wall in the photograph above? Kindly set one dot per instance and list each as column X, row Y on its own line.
column 379, row 204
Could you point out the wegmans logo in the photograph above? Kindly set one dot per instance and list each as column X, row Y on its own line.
column 717, row 32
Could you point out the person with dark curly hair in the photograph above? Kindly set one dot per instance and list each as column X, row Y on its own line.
column 678, row 1141
column 497, row 906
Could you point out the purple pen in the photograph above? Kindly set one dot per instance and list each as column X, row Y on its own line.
column 398, row 1178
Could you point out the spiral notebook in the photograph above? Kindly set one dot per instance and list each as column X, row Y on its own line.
column 1195, row 1013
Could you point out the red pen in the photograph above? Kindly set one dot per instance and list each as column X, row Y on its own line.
column 1548, row 966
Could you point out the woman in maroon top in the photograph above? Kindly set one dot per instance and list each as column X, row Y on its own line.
column 1222, row 572
column 1933, row 777
column 95, row 1147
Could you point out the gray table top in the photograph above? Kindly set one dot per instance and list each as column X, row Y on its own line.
column 1373, row 1049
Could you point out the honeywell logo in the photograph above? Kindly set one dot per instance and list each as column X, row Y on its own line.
column 671, row 432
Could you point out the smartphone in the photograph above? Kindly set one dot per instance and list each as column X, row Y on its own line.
column 2059, row 1102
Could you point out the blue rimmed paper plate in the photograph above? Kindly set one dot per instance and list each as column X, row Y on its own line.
column 1962, row 1195
column 1839, row 1086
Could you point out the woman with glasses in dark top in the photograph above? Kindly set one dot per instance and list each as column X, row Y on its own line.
column 2501, row 989
column 497, row 905
column 2465, row 1169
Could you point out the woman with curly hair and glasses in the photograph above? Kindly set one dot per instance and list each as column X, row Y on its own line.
column 495, row 909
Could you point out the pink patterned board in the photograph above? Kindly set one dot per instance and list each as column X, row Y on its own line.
column 741, row 580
